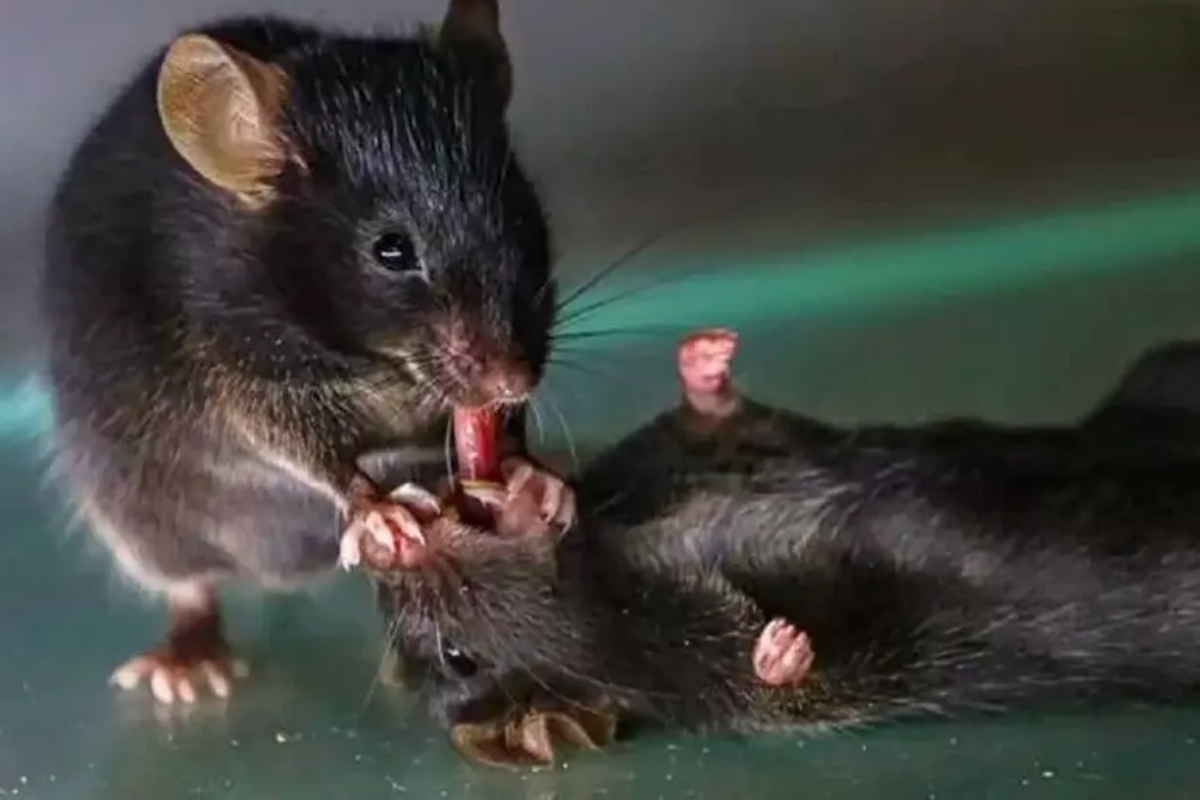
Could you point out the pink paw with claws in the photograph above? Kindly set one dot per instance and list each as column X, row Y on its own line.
column 531, row 497
column 703, row 361
column 391, row 530
column 783, row 655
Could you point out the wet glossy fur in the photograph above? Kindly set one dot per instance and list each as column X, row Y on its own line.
column 216, row 368
column 940, row 570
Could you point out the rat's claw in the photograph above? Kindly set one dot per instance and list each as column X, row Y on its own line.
column 380, row 531
column 350, row 547
column 390, row 528
column 413, row 495
column 490, row 494
column 556, row 500
column 172, row 681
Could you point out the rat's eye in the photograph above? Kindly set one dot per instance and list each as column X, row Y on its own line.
column 458, row 661
column 395, row 253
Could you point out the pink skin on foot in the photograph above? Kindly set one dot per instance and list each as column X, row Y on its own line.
column 194, row 658
column 703, row 361
column 783, row 654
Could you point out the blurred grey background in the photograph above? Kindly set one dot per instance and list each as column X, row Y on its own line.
column 763, row 122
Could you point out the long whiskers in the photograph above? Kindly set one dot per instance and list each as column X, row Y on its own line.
column 570, row 440
column 640, row 331
column 388, row 652
column 579, row 314
column 639, row 248
column 448, row 450
column 536, row 414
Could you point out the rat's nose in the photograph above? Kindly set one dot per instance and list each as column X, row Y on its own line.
column 505, row 382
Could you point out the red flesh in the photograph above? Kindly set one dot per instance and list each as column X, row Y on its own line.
column 477, row 444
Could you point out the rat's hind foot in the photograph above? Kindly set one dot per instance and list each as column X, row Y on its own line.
column 394, row 527
column 703, row 361
column 195, row 655
column 783, row 654
column 531, row 499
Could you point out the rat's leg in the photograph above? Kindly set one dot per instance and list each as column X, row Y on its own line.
column 703, row 360
column 196, row 651
column 183, row 569
column 783, row 654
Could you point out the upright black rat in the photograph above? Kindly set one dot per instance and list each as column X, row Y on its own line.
column 736, row 567
column 277, row 260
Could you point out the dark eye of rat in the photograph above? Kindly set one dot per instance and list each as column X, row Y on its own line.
column 395, row 252
column 458, row 661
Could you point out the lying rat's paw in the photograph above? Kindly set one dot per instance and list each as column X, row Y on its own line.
column 554, row 497
column 394, row 529
column 783, row 654
column 175, row 677
column 529, row 739
column 531, row 499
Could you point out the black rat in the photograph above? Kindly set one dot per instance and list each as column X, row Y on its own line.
column 741, row 568
column 274, row 264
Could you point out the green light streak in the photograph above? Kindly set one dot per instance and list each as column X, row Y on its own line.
column 858, row 277
column 848, row 279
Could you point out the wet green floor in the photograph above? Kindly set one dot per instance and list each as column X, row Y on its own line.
column 311, row 723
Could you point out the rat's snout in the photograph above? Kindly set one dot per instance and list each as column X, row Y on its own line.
column 504, row 381
column 479, row 371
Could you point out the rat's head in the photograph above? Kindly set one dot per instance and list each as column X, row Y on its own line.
column 483, row 610
column 380, row 194
column 507, row 655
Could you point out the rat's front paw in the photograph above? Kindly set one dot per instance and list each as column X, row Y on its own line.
column 783, row 654
column 531, row 499
column 390, row 531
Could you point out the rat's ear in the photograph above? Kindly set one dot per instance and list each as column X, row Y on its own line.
column 220, row 109
column 476, row 23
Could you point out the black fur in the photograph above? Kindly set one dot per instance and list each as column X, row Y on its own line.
column 196, row 343
column 953, row 568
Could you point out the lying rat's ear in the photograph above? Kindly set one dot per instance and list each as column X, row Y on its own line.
column 477, row 23
column 220, row 109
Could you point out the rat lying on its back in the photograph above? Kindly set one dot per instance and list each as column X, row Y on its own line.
column 275, row 263
column 851, row 576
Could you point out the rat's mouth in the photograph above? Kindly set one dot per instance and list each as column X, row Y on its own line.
column 458, row 380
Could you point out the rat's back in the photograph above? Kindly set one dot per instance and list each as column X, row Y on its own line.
column 128, row 222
